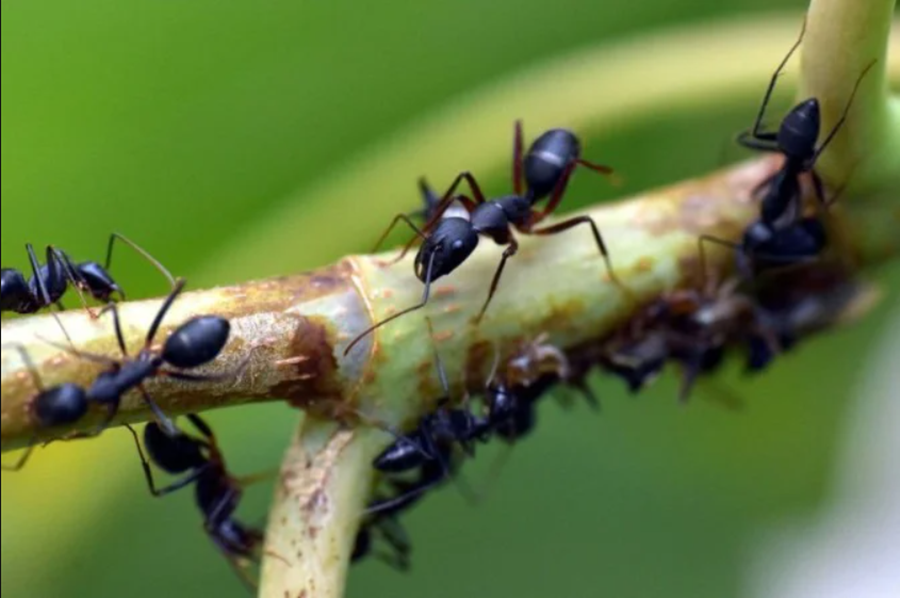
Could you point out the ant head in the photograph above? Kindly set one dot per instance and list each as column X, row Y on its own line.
column 196, row 342
column 60, row 405
column 451, row 243
column 799, row 130
column 547, row 160
column 174, row 454
column 100, row 284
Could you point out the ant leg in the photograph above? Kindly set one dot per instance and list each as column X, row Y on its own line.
column 555, row 198
column 844, row 114
column 158, row 414
column 518, row 168
column 469, row 178
column 439, row 364
column 117, row 326
column 762, row 141
column 140, row 251
column 187, row 377
column 572, row 222
column 39, row 282
column 26, row 359
column 22, row 460
column 401, row 501
column 399, row 218
column 71, row 273
column 201, row 425
column 757, row 126
column 148, row 472
column 394, row 534
column 702, row 250
column 176, row 290
column 510, row 251
column 425, row 296
column 430, row 200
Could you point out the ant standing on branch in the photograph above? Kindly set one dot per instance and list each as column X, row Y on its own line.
column 783, row 235
column 447, row 241
column 50, row 281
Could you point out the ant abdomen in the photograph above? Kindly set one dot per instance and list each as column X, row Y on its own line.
column 61, row 405
column 547, row 160
column 196, row 342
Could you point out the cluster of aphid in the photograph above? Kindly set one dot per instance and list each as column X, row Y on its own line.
column 759, row 313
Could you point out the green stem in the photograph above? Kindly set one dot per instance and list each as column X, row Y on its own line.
column 843, row 37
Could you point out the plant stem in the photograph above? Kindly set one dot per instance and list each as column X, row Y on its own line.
column 843, row 37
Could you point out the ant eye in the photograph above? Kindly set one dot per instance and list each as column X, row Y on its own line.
column 457, row 244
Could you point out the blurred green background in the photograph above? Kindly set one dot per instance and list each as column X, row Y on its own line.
column 186, row 124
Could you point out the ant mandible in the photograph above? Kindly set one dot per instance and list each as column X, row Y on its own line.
column 50, row 281
column 541, row 172
column 216, row 491
column 783, row 235
column 193, row 344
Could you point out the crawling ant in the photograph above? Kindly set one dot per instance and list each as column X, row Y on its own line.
column 216, row 492
column 783, row 235
column 193, row 344
column 50, row 281
column 541, row 172
column 429, row 448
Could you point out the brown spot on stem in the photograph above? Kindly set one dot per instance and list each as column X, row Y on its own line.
column 315, row 380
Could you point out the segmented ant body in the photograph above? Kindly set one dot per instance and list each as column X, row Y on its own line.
column 193, row 344
column 50, row 281
column 216, row 492
column 448, row 241
column 783, row 235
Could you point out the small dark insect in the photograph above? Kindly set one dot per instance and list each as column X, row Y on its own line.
column 196, row 342
column 783, row 236
column 50, row 281
column 542, row 172
column 216, row 492
column 692, row 328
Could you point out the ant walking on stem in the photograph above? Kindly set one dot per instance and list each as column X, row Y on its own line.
column 216, row 491
column 195, row 343
column 447, row 241
column 783, row 235
column 50, row 281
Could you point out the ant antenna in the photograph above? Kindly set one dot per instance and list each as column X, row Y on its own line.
column 845, row 113
column 758, row 125
column 425, row 296
column 141, row 251
column 439, row 364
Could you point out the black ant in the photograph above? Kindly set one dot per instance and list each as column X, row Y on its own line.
column 216, row 492
column 543, row 171
column 50, row 281
column 195, row 343
column 783, row 235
